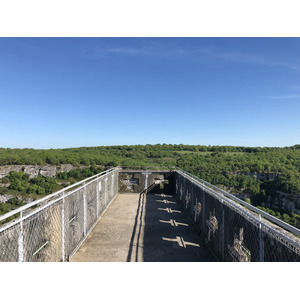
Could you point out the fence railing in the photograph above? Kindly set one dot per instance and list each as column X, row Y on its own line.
column 233, row 232
column 52, row 228
column 260, row 212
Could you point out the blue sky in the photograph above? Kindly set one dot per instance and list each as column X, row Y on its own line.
column 72, row 92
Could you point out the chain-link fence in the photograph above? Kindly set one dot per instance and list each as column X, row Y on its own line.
column 234, row 232
column 52, row 228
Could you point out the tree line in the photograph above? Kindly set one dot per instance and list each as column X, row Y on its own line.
column 256, row 171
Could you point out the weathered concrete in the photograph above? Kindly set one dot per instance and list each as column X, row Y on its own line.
column 138, row 227
column 135, row 181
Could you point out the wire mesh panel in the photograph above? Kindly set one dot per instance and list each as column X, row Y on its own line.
column 179, row 187
column 52, row 228
column 187, row 197
column 241, row 236
column 278, row 248
column 110, row 185
column 42, row 233
column 74, row 221
column 177, row 184
column 213, row 223
column 105, row 192
column 192, row 197
column 10, row 243
column 115, row 183
column 198, row 206
column 101, row 189
column 91, row 204
column 232, row 231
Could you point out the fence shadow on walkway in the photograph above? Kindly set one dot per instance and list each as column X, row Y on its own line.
column 162, row 231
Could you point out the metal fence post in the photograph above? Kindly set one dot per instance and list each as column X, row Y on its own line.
column 203, row 210
column 112, row 185
column 222, row 232
column 97, row 195
column 105, row 190
column 192, row 195
column 184, row 189
column 146, row 180
column 117, row 182
column 21, row 239
column 84, row 210
column 261, row 241
column 63, row 227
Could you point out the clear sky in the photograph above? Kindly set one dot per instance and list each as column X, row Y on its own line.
column 72, row 92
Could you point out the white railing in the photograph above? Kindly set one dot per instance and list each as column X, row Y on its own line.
column 234, row 232
column 260, row 212
column 52, row 228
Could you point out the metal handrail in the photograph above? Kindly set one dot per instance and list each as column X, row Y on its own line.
column 242, row 210
column 249, row 206
column 207, row 184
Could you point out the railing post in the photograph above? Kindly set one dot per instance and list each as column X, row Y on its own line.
column 84, row 210
column 112, row 185
column 105, row 191
column 261, row 241
column 97, row 195
column 203, row 210
column 222, row 232
column 117, row 182
column 63, row 227
column 146, row 179
column 192, row 195
column 21, row 239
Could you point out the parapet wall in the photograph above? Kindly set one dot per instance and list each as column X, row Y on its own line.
column 155, row 181
column 231, row 231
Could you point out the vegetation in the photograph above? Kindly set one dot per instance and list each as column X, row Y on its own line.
column 21, row 186
column 257, row 172
column 12, row 203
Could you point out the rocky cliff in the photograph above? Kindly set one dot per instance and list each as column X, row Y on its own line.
column 34, row 171
column 285, row 201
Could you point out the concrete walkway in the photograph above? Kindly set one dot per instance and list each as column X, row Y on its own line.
column 138, row 227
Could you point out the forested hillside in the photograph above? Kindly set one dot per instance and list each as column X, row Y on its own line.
column 256, row 173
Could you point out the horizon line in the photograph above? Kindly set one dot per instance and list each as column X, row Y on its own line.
column 195, row 145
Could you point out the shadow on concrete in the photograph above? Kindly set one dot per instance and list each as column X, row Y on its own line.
column 136, row 232
column 162, row 231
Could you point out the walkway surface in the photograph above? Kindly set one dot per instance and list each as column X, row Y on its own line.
column 143, row 228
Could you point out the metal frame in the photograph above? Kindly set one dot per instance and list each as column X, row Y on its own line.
column 267, row 216
column 256, row 217
column 224, row 197
column 49, row 201
column 264, row 214
column 24, row 207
